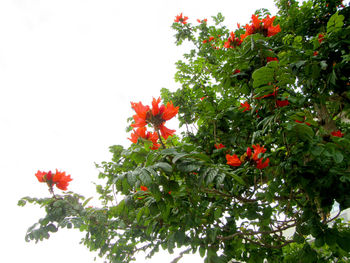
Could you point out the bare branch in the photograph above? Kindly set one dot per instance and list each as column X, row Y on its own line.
column 175, row 260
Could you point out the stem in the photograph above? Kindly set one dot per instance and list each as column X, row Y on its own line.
column 160, row 139
column 215, row 131
column 175, row 260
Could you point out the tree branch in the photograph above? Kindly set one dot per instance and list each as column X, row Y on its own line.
column 175, row 260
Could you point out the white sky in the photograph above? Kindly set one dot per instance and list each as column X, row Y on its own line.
column 68, row 71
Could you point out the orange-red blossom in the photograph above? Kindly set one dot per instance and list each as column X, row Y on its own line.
column 264, row 26
column 157, row 116
column 245, row 106
column 141, row 133
column 232, row 41
column 233, row 160
column 181, row 19
column 337, row 133
column 219, row 146
column 60, row 179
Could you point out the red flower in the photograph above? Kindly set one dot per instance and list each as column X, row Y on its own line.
column 60, row 179
column 169, row 111
column 262, row 165
column 233, row 160
column 41, row 176
column 204, row 97
column 156, row 116
column 337, row 133
column 257, row 150
column 181, row 19
column 269, row 59
column 320, row 38
column 264, row 26
column 219, row 146
column 282, row 103
column 236, row 71
column 232, row 41
column 238, row 25
column 141, row 133
column 249, row 152
column 245, row 106
column 201, row 21
column 205, row 41
column 143, row 188
column 165, row 132
column 141, row 114
column 315, row 53
column 211, row 38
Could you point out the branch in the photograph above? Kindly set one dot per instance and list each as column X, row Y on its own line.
column 251, row 233
column 268, row 245
column 330, row 220
column 175, row 260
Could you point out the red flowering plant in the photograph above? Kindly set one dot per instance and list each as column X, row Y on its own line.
column 181, row 19
column 270, row 193
column 156, row 117
column 58, row 179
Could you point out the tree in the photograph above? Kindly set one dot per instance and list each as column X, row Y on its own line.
column 265, row 149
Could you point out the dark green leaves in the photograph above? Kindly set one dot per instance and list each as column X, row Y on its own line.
column 335, row 23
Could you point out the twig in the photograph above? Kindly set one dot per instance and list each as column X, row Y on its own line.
column 175, row 260
column 160, row 139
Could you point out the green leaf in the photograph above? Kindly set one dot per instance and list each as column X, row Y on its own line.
column 338, row 157
column 187, row 167
column 164, row 166
column 211, row 175
column 335, row 23
column 139, row 215
column 202, row 251
column 179, row 156
column 217, row 213
column 52, row 228
column 316, row 150
column 343, row 241
column 180, row 237
column 298, row 238
column 262, row 77
column 145, row 177
column 319, row 241
column 303, row 131
column 125, row 186
column 87, row 201
column 238, row 179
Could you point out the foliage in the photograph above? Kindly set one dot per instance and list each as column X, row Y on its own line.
column 281, row 90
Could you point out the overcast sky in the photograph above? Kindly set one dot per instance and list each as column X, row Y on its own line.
column 68, row 71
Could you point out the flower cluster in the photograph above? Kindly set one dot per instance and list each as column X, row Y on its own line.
column 219, row 146
column 211, row 38
column 143, row 133
column 157, row 116
column 320, row 38
column 180, row 19
column 269, row 59
column 60, row 179
column 232, row 41
column 245, row 106
column 264, row 26
column 337, row 133
column 233, row 160
column 202, row 21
